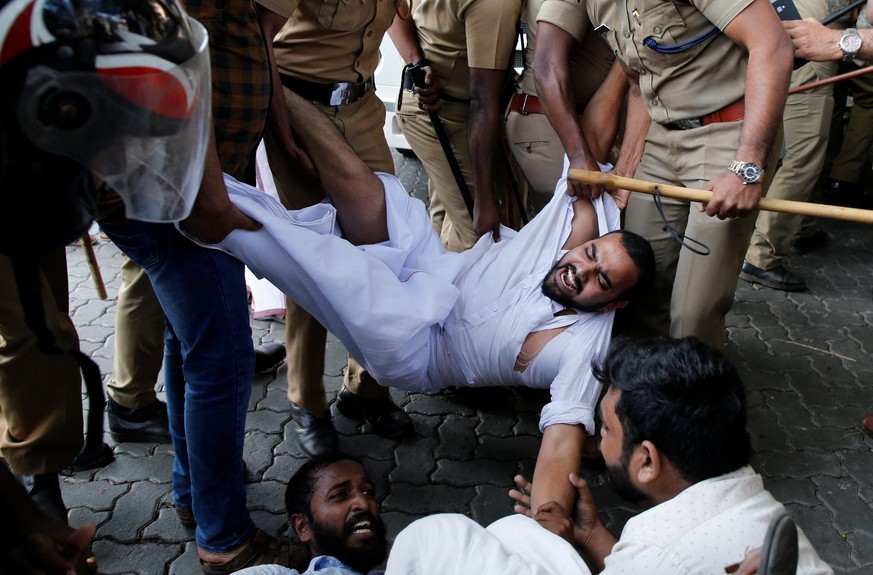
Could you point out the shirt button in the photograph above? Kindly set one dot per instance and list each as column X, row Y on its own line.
column 493, row 308
column 657, row 29
column 627, row 34
column 461, row 323
column 654, row 103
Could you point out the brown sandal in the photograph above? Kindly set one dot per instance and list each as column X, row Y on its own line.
column 261, row 550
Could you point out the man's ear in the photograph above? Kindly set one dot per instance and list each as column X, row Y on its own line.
column 614, row 305
column 648, row 459
column 300, row 523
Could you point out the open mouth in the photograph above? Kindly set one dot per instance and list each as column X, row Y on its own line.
column 362, row 529
column 568, row 281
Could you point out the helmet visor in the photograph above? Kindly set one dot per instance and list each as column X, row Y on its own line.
column 140, row 121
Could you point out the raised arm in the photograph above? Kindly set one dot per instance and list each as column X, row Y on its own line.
column 758, row 30
column 555, row 89
column 483, row 136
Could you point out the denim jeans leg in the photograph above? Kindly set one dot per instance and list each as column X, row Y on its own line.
column 202, row 293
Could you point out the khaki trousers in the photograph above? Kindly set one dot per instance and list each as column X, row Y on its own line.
column 806, row 121
column 692, row 293
column 449, row 215
column 855, row 149
column 139, row 339
column 361, row 125
column 538, row 152
column 40, row 394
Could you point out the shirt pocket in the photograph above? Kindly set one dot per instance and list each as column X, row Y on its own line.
column 341, row 15
column 665, row 25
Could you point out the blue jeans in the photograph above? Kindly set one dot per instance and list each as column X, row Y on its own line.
column 208, row 369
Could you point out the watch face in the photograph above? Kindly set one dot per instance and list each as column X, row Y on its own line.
column 750, row 173
column 850, row 43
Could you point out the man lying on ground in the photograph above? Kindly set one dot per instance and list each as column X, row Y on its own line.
column 531, row 310
column 674, row 435
column 331, row 502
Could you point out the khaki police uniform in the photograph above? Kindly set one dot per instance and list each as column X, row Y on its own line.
column 531, row 138
column 692, row 293
column 455, row 35
column 327, row 42
column 40, row 394
column 806, row 123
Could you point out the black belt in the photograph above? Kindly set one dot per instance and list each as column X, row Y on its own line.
column 335, row 94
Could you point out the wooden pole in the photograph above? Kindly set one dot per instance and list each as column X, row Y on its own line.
column 91, row 258
column 607, row 180
column 831, row 80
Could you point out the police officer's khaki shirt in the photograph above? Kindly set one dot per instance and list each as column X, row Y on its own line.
column 590, row 59
column 333, row 40
column 689, row 84
column 457, row 35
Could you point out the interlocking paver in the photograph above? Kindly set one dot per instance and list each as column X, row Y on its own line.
column 805, row 405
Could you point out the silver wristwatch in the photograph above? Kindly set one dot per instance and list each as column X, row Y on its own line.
column 747, row 171
column 850, row 44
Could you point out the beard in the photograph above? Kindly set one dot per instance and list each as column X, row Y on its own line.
column 618, row 478
column 334, row 543
column 553, row 292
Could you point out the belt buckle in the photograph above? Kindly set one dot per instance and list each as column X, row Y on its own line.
column 688, row 123
column 343, row 93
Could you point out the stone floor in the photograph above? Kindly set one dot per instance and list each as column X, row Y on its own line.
column 805, row 357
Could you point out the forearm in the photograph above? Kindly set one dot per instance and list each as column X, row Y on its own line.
column 483, row 135
column 600, row 119
column 405, row 38
column 636, row 126
column 767, row 82
column 560, row 455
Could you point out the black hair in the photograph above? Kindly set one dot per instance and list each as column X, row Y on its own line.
column 684, row 397
column 640, row 252
column 298, row 494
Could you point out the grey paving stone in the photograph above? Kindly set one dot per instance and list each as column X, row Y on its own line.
column 841, row 496
column 436, row 404
column 266, row 421
column 79, row 516
column 800, row 464
column 491, row 503
column 817, row 523
column 275, row 399
column 283, row 467
column 187, row 563
column 133, row 512
column 167, row 528
column 457, row 437
column 157, row 468
column 396, row 521
column 258, row 451
column 507, row 449
column 267, row 495
column 414, row 462
column 428, row 499
column 501, row 424
column 368, row 445
column 475, row 472
column 862, row 548
column 95, row 495
column 270, row 523
column 142, row 558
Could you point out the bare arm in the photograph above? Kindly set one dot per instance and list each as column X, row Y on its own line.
column 633, row 143
column 214, row 215
column 757, row 30
column 555, row 90
column 277, row 117
column 483, row 135
column 405, row 38
column 818, row 43
column 601, row 115
column 559, row 456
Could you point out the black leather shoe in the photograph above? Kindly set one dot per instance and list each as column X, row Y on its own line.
column 45, row 490
column 777, row 278
column 382, row 416
column 91, row 458
column 146, row 424
column 269, row 357
column 315, row 435
column 806, row 244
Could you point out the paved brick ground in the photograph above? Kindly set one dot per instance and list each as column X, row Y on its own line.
column 806, row 359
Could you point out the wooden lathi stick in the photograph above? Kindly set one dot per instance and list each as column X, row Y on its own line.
column 693, row 195
column 91, row 258
column 831, row 80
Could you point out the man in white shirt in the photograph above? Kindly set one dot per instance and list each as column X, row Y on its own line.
column 421, row 319
column 674, row 435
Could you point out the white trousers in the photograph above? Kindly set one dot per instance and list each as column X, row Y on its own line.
column 452, row 543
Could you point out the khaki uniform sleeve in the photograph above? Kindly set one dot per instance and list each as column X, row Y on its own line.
column 491, row 31
column 568, row 15
column 283, row 8
column 721, row 12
